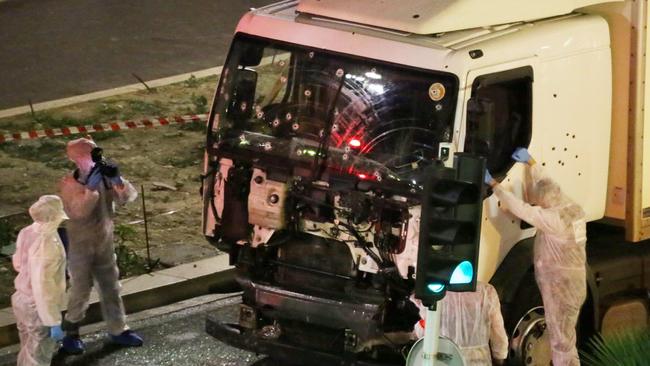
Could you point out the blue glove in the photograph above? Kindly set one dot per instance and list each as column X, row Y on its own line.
column 521, row 155
column 488, row 177
column 116, row 181
column 94, row 180
column 56, row 333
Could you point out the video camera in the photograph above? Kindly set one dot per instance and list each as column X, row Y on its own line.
column 106, row 168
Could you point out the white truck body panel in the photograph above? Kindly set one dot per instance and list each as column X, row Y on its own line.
column 628, row 200
column 619, row 17
column 436, row 16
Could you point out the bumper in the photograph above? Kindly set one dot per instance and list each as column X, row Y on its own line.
column 363, row 318
column 287, row 354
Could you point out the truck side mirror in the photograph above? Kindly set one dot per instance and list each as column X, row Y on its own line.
column 241, row 103
column 251, row 55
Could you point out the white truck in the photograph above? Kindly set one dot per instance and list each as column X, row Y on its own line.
column 326, row 114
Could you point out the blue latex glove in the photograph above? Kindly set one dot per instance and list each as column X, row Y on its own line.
column 94, row 180
column 488, row 177
column 56, row 333
column 521, row 155
column 116, row 181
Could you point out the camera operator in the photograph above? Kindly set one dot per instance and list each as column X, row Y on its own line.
column 88, row 196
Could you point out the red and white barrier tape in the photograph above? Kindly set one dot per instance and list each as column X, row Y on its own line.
column 102, row 127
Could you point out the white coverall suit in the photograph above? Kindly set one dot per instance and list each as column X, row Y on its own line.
column 559, row 258
column 91, row 254
column 473, row 321
column 40, row 284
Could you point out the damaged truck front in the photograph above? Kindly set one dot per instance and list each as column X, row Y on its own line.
column 319, row 158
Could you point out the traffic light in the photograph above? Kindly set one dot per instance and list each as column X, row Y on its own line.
column 450, row 228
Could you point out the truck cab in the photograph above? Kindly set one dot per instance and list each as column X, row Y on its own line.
column 324, row 119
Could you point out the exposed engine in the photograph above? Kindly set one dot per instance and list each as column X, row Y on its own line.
column 332, row 243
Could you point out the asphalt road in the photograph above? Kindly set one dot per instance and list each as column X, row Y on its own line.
column 177, row 338
column 54, row 49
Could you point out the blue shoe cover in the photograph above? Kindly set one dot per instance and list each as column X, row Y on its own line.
column 127, row 338
column 73, row 345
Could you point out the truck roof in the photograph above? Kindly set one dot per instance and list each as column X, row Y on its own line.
column 437, row 16
column 547, row 37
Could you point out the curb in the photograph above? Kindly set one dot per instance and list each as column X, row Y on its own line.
column 150, row 291
column 102, row 127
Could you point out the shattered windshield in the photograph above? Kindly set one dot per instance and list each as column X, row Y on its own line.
column 342, row 113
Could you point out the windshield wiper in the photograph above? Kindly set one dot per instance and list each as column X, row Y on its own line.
column 319, row 168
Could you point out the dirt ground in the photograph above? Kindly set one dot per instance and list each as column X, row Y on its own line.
column 171, row 155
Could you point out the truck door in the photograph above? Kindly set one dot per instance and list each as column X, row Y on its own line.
column 497, row 118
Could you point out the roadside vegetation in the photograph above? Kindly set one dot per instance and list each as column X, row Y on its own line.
column 630, row 348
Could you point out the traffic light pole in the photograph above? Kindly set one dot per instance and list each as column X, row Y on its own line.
column 431, row 336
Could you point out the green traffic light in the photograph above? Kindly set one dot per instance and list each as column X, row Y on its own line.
column 463, row 274
column 436, row 287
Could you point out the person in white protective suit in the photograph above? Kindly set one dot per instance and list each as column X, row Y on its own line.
column 473, row 321
column 40, row 284
column 559, row 253
column 89, row 196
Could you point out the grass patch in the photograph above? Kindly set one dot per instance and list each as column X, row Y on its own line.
column 39, row 150
column 146, row 108
column 200, row 103
column 7, row 276
column 191, row 82
column 128, row 261
column 193, row 126
column 47, row 120
column 190, row 157
column 7, row 233
column 7, row 164
column 108, row 109
column 102, row 136
column 183, row 161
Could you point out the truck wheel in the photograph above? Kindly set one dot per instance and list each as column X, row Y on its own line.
column 529, row 339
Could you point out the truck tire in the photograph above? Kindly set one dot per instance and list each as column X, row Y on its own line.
column 526, row 327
